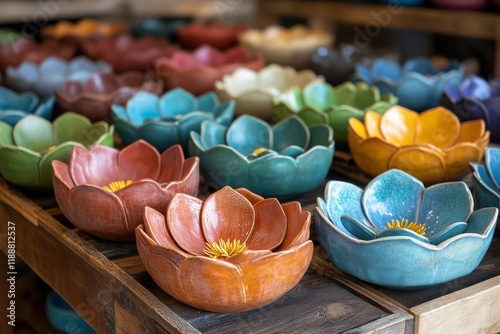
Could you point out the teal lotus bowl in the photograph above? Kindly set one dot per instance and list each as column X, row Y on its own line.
column 486, row 179
column 439, row 239
column 418, row 84
column 320, row 103
column 167, row 120
column 15, row 106
column 283, row 161
column 28, row 148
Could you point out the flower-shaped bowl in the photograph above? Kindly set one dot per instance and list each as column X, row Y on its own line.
column 486, row 179
column 28, row 148
column 167, row 120
column 285, row 46
column 476, row 98
column 156, row 27
column 27, row 50
column 15, row 106
column 254, row 91
column 44, row 78
column 82, row 29
column 127, row 53
column 283, row 161
column 320, row 103
column 219, row 35
column 432, row 146
column 418, row 84
column 180, row 249
column 103, row 191
column 398, row 234
column 198, row 71
column 63, row 317
column 95, row 96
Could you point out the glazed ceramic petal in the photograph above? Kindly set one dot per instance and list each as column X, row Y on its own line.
column 61, row 153
column 270, row 225
column 208, row 102
column 471, row 131
column 253, row 198
column 140, row 108
column 365, row 97
column 392, row 195
column 171, row 164
column 189, row 181
column 320, row 135
column 212, row 133
column 448, row 232
column 97, row 166
column 139, row 160
column 5, row 134
column 248, row 133
column 291, row 131
column 402, row 232
column 319, row 96
column 384, row 68
column 458, row 157
column 438, row 127
column 156, row 227
column 161, row 135
column 227, row 215
column 482, row 221
column 63, row 183
column 398, row 126
column 177, row 102
column 339, row 120
column 33, row 133
column 492, row 161
column 70, row 127
column 25, row 171
column 357, row 229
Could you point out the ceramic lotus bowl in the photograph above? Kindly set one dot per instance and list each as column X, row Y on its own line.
column 320, row 103
column 28, row 148
column 43, row 79
column 95, row 96
column 233, row 252
column 126, row 53
column 15, row 106
column 486, row 179
column 156, row 27
column 254, row 91
column 198, row 71
column 219, row 35
column 82, row 29
column 398, row 234
column 476, row 98
column 418, row 83
column 285, row 46
column 26, row 50
column 167, row 120
column 103, row 191
column 432, row 146
column 284, row 161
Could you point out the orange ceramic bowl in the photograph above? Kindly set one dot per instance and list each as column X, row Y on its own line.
column 225, row 277
column 433, row 146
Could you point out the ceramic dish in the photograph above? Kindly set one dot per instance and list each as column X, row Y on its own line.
column 15, row 106
column 486, row 179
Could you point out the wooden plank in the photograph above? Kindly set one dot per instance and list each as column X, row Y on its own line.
column 472, row 310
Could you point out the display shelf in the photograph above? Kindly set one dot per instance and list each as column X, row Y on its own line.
column 370, row 18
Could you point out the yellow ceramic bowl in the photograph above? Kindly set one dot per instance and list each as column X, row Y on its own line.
column 432, row 146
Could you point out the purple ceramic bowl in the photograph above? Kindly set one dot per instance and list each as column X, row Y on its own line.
column 462, row 4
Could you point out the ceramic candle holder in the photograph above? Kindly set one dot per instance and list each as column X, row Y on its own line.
column 94, row 97
column 432, row 146
column 103, row 191
column 198, row 71
column 418, row 84
column 219, row 35
column 398, row 234
column 15, row 106
column 320, row 103
column 476, row 98
column 284, row 161
column 254, row 91
column 28, row 148
column 233, row 252
column 486, row 179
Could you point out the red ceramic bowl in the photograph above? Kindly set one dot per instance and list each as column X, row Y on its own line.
column 219, row 35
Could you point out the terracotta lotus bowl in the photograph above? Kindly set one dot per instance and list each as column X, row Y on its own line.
column 95, row 96
column 126, row 53
column 198, row 71
column 233, row 252
column 103, row 191
column 219, row 35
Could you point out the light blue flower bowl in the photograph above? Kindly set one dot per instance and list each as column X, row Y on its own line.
column 43, row 79
column 167, row 120
column 63, row 317
column 418, row 85
column 351, row 224
column 283, row 161
column 486, row 179
column 15, row 106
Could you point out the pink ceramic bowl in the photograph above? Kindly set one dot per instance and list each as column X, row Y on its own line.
column 219, row 35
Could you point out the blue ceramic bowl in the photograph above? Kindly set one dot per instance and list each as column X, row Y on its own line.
column 156, row 27
column 282, row 161
column 167, row 120
column 418, row 85
column 15, row 106
column 63, row 317
column 486, row 179
column 352, row 227
column 49, row 75
column 474, row 99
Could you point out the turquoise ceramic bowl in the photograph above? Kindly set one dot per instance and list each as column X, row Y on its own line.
column 167, row 120
column 15, row 106
column 351, row 224
column 283, row 161
column 63, row 317
column 486, row 179
column 418, row 84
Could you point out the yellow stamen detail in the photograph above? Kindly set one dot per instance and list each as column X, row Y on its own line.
column 51, row 148
column 224, row 249
column 117, row 185
column 417, row 228
column 259, row 150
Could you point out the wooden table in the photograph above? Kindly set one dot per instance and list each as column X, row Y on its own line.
column 106, row 283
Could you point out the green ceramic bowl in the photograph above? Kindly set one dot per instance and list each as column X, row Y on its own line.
column 28, row 148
